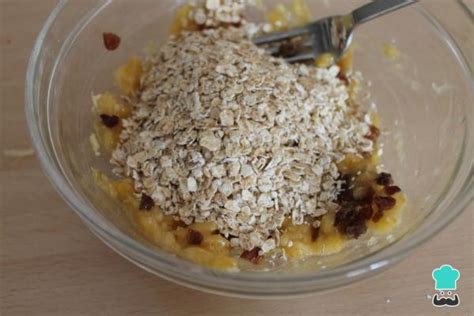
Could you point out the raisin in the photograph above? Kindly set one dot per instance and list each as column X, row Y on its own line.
column 351, row 219
column 339, row 218
column 366, row 212
column 369, row 196
column 146, row 203
column 345, row 213
column 109, row 120
column 373, row 134
column 377, row 216
column 392, row 189
column 111, row 41
column 342, row 76
column 314, row 233
column 356, row 229
column 384, row 203
column 252, row 255
column 364, row 194
column 347, row 221
column 384, row 179
column 345, row 194
column 289, row 48
column 195, row 237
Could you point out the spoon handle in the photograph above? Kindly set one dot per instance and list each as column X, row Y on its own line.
column 377, row 8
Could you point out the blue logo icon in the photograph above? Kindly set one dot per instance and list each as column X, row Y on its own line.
column 446, row 278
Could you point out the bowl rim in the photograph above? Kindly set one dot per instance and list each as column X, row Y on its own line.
column 222, row 282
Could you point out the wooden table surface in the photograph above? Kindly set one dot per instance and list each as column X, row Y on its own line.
column 52, row 265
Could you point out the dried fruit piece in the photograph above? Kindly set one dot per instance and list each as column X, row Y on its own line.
column 343, row 77
column 377, row 216
column 392, row 189
column 252, row 255
column 111, row 41
column 314, row 233
column 373, row 134
column 351, row 220
column 384, row 179
column 146, row 203
column 366, row 212
column 363, row 193
column 356, row 229
column 288, row 49
column 345, row 194
column 384, row 203
column 355, row 199
column 195, row 237
column 109, row 120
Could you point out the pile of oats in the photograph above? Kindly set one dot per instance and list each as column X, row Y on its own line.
column 223, row 132
column 213, row 13
column 223, row 13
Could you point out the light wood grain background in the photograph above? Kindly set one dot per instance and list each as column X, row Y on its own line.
column 52, row 265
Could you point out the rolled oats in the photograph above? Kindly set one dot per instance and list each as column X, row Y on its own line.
column 223, row 132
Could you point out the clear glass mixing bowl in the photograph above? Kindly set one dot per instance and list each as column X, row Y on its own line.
column 425, row 101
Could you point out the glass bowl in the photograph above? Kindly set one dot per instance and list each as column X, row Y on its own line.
column 424, row 98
